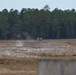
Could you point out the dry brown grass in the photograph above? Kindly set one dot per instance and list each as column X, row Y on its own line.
column 20, row 66
column 18, row 74
column 13, row 65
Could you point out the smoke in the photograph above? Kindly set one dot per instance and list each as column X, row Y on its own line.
column 24, row 35
column 18, row 36
column 27, row 36
column 19, row 43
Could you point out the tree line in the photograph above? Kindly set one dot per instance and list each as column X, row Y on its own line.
column 32, row 23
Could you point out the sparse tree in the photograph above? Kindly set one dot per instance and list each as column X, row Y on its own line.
column 46, row 8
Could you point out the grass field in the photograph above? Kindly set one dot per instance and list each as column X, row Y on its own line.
column 20, row 66
column 20, row 56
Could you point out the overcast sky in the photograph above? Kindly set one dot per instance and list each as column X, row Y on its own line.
column 19, row 4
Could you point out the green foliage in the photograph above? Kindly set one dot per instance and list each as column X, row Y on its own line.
column 33, row 23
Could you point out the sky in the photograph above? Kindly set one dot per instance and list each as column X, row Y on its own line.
column 39, row 4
